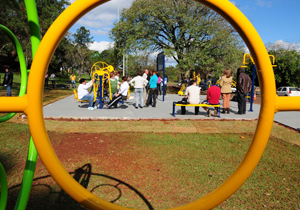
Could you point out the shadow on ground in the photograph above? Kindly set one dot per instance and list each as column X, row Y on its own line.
column 47, row 196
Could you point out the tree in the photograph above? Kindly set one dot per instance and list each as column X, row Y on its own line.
column 82, row 40
column 194, row 35
column 287, row 72
column 109, row 56
column 13, row 15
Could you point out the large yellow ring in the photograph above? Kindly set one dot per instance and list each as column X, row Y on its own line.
column 32, row 105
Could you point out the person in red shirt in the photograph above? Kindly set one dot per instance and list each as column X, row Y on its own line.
column 212, row 98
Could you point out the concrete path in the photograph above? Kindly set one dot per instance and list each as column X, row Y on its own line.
column 69, row 108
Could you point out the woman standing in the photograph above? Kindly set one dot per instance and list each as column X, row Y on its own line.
column 226, row 91
column 158, row 85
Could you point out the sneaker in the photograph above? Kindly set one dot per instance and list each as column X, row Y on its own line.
column 215, row 113
column 208, row 113
column 91, row 108
column 95, row 107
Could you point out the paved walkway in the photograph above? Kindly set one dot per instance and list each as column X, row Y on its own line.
column 69, row 108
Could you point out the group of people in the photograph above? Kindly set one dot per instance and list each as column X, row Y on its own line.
column 149, row 81
column 244, row 84
column 117, row 90
column 52, row 78
column 192, row 96
column 152, row 85
column 243, row 87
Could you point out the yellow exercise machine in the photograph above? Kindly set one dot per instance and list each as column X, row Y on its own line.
column 101, row 73
column 181, row 92
column 31, row 104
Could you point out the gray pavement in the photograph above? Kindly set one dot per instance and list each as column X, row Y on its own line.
column 69, row 108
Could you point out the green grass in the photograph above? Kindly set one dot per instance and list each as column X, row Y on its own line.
column 168, row 169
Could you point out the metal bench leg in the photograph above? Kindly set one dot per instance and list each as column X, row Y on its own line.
column 173, row 109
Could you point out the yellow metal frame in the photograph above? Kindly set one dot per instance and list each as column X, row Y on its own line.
column 181, row 91
column 104, row 65
column 31, row 105
column 105, row 75
column 249, row 56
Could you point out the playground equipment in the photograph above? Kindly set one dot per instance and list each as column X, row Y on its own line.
column 101, row 73
column 233, row 83
column 181, row 92
column 198, row 79
column 247, row 55
column 31, row 105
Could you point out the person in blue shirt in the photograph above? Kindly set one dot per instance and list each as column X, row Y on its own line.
column 153, row 88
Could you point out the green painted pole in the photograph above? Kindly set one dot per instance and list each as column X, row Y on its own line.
column 23, row 68
column 4, row 188
column 28, row 176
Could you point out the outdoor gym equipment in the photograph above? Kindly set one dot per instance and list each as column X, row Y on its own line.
column 98, row 87
column 198, row 79
column 31, row 104
column 253, row 75
column 181, row 92
column 101, row 73
column 101, row 66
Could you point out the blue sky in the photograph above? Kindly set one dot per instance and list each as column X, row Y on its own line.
column 275, row 20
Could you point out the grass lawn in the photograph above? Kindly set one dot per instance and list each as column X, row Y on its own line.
column 147, row 170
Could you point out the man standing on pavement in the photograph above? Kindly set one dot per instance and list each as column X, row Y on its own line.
column 153, row 88
column 52, row 77
column 8, row 80
column 243, row 87
column 73, row 80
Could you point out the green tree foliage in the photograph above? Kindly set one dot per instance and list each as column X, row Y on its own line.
column 13, row 16
column 194, row 35
column 287, row 72
column 109, row 56
column 82, row 39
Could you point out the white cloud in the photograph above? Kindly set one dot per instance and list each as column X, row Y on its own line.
column 99, row 32
column 263, row 3
column 88, row 23
column 233, row 2
column 100, row 20
column 100, row 46
column 280, row 44
column 246, row 50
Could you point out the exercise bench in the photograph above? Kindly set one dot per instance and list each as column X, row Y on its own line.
column 200, row 105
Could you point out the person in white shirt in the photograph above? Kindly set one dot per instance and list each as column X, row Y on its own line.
column 83, row 92
column 52, row 77
column 192, row 96
column 139, row 83
column 122, row 94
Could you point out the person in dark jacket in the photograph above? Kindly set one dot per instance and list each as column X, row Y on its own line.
column 243, row 88
column 8, row 80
